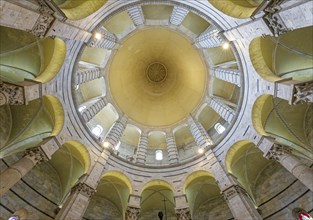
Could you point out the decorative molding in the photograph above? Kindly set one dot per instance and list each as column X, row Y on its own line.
column 132, row 213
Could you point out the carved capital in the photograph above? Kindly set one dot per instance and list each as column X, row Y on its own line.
column 42, row 25
column 272, row 18
column 132, row 213
column 232, row 191
column 84, row 189
column 11, row 94
column 183, row 214
column 38, row 154
column 44, row 7
column 277, row 151
column 303, row 93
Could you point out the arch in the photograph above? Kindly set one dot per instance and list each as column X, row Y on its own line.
column 56, row 111
column 79, row 9
column 232, row 151
column 260, row 110
column 157, row 182
column 195, row 175
column 80, row 152
column 121, row 176
column 54, row 56
column 236, row 8
column 283, row 57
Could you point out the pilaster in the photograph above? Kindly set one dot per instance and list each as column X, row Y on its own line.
column 171, row 148
column 116, row 131
column 141, row 153
column 107, row 40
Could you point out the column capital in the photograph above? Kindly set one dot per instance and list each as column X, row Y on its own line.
column 276, row 151
column 132, row 213
column 84, row 189
column 303, row 92
column 183, row 214
column 37, row 154
column 232, row 191
column 11, row 94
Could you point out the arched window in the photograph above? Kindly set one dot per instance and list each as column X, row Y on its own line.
column 219, row 128
column 97, row 130
column 158, row 155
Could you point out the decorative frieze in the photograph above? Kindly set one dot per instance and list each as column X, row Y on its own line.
column 37, row 154
column 277, row 151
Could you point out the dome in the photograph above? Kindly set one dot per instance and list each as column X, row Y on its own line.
column 136, row 109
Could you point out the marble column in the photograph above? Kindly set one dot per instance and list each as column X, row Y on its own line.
column 199, row 134
column 91, row 111
column 19, row 169
column 116, row 131
column 228, row 75
column 236, row 197
column 182, row 208
column 209, row 38
column 283, row 155
column 136, row 14
column 76, row 204
column 221, row 108
column 141, row 153
column 108, row 40
column 85, row 75
column 178, row 15
column 171, row 148
column 19, row 94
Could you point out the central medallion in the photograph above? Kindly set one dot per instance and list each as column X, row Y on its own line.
column 156, row 72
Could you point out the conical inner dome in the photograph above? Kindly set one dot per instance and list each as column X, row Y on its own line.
column 157, row 78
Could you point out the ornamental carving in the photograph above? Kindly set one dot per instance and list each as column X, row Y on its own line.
column 183, row 214
column 11, row 94
column 303, row 93
column 84, row 189
column 132, row 213
column 273, row 20
column 44, row 7
column 38, row 154
column 277, row 151
column 42, row 25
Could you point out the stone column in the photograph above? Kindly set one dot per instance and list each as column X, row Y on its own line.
column 94, row 109
column 182, row 208
column 236, row 197
column 19, row 169
column 200, row 135
column 107, row 41
column 85, row 75
column 77, row 203
column 44, row 19
column 283, row 155
column 228, row 75
column 171, row 148
column 222, row 109
column 209, row 38
column 136, row 14
column 178, row 15
column 116, row 132
column 141, row 153
column 19, row 94
column 133, row 208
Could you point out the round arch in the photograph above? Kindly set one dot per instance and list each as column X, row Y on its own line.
column 121, row 176
column 260, row 110
column 157, row 182
column 195, row 175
